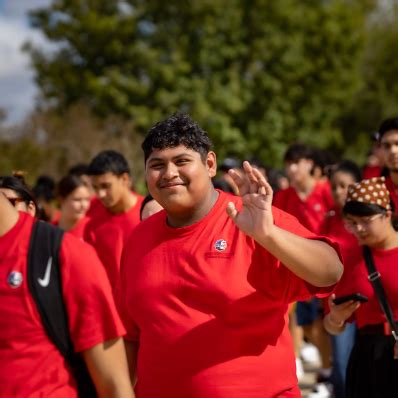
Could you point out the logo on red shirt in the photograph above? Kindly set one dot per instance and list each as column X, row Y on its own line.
column 220, row 245
column 15, row 279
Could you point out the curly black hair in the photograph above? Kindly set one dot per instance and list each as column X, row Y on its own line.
column 178, row 129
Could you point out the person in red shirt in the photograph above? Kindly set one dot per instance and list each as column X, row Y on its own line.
column 119, row 211
column 74, row 198
column 373, row 367
column 388, row 138
column 30, row 364
column 309, row 200
column 206, row 283
column 342, row 175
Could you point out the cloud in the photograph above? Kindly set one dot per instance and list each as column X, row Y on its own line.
column 18, row 8
column 16, row 77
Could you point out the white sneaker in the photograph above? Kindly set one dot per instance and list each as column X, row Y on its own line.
column 299, row 369
column 321, row 390
column 310, row 354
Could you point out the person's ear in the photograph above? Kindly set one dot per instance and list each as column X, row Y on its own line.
column 211, row 163
column 126, row 179
column 31, row 209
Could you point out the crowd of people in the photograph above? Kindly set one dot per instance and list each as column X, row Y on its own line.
column 212, row 284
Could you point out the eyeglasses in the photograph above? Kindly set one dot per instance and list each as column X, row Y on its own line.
column 14, row 201
column 363, row 222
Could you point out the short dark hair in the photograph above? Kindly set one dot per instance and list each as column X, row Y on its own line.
column 108, row 161
column 322, row 159
column 44, row 188
column 297, row 152
column 79, row 169
column 178, row 129
column 348, row 167
column 68, row 184
column 387, row 125
column 17, row 184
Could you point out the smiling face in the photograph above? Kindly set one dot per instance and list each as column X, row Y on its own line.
column 369, row 230
column 76, row 204
column 389, row 147
column 180, row 180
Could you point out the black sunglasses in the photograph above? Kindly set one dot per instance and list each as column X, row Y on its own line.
column 14, row 201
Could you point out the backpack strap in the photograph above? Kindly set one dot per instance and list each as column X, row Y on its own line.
column 45, row 285
column 44, row 281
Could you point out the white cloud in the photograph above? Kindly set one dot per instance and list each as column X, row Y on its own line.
column 18, row 8
column 16, row 77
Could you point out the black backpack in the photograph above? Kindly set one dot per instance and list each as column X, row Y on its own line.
column 44, row 281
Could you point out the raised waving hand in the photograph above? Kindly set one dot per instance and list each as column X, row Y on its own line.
column 255, row 218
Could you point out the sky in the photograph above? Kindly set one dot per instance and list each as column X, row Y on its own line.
column 17, row 88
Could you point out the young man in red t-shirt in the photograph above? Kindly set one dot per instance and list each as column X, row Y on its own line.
column 117, row 215
column 388, row 137
column 309, row 200
column 206, row 283
column 30, row 364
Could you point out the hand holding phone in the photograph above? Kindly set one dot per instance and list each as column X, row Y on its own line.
column 354, row 297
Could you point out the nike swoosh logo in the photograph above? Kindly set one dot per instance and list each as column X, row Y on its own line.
column 46, row 280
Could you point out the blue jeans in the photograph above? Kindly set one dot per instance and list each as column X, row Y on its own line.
column 341, row 350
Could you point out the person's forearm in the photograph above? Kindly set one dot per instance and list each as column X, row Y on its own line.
column 107, row 364
column 332, row 325
column 312, row 260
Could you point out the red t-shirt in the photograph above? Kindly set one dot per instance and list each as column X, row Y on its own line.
column 96, row 209
column 355, row 280
column 333, row 227
column 30, row 364
column 371, row 171
column 310, row 212
column 208, row 306
column 393, row 189
column 109, row 234
column 78, row 229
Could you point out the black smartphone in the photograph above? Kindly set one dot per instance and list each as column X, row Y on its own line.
column 355, row 297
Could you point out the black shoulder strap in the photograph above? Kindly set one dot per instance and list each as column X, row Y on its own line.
column 374, row 278
column 44, row 281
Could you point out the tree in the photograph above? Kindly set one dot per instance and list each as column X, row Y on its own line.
column 257, row 75
column 378, row 97
column 50, row 143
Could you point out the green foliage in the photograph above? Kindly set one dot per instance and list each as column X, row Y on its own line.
column 257, row 75
column 378, row 97
column 21, row 154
